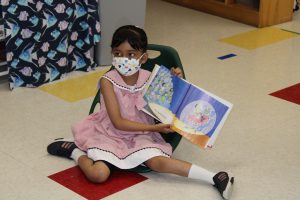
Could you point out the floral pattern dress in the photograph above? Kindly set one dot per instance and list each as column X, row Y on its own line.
column 46, row 39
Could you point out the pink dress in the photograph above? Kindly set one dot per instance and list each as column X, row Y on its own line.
column 96, row 134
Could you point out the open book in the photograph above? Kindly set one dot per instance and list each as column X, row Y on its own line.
column 192, row 112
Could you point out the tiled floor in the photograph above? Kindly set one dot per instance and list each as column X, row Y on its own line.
column 259, row 142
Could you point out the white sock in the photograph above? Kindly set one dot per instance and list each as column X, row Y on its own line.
column 200, row 173
column 76, row 153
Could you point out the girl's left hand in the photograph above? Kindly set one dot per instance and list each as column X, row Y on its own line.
column 177, row 72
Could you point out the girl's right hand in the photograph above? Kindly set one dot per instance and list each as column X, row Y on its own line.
column 163, row 128
column 177, row 72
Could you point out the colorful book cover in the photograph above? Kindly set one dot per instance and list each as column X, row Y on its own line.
column 193, row 112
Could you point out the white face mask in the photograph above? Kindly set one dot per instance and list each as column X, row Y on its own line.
column 126, row 66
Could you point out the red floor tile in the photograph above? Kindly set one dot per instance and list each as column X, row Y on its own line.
column 74, row 179
column 291, row 94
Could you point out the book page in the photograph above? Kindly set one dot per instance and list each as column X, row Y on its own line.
column 180, row 88
column 164, row 94
column 201, row 116
column 162, row 113
column 148, row 110
column 152, row 76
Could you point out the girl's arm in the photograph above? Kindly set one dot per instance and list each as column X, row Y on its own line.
column 113, row 110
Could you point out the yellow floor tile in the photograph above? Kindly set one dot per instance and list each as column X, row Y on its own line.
column 259, row 38
column 75, row 89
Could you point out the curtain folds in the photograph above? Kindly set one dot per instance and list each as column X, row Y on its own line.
column 46, row 39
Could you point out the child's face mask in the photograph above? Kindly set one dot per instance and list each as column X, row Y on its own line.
column 126, row 66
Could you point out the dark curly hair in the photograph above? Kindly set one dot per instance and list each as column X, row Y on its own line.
column 135, row 36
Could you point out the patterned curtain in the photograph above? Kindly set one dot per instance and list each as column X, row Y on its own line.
column 46, row 39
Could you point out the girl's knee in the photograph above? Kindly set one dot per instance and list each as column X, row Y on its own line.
column 156, row 164
column 99, row 175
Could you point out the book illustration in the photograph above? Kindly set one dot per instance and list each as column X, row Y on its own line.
column 202, row 114
column 193, row 112
column 199, row 115
column 162, row 113
column 160, row 90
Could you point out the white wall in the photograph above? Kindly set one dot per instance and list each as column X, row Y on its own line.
column 113, row 14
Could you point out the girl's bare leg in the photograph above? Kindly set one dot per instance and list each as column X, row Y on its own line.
column 222, row 180
column 97, row 172
column 169, row 165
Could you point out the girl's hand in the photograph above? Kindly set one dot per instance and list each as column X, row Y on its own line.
column 163, row 128
column 177, row 72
